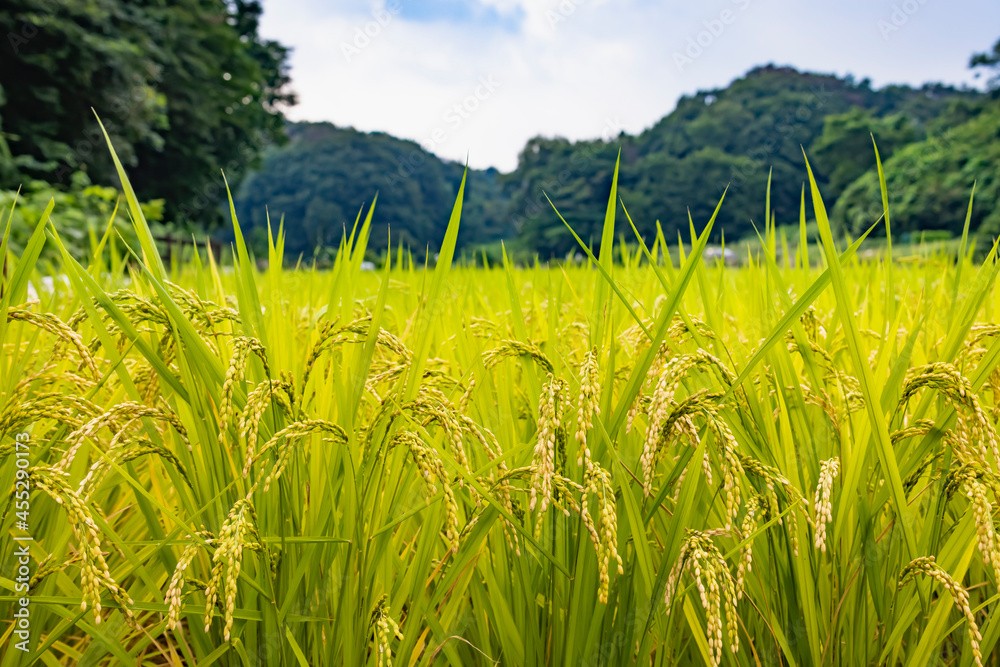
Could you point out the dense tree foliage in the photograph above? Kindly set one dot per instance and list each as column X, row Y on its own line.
column 82, row 211
column 184, row 88
column 189, row 88
column 732, row 137
column 321, row 180
column 991, row 62
column 845, row 150
column 729, row 137
column 930, row 181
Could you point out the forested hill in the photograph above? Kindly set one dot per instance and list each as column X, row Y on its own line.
column 726, row 137
column 321, row 179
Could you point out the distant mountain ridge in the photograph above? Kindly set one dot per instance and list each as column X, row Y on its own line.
column 733, row 136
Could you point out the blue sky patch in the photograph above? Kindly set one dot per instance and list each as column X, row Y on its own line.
column 461, row 12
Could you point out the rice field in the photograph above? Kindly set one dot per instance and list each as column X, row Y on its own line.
column 634, row 461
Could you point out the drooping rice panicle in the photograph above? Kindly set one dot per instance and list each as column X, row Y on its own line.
column 242, row 347
column 238, row 532
column 126, row 412
column 588, row 402
column 927, row 566
column 175, row 589
column 58, row 328
column 94, row 571
column 284, row 441
column 550, row 407
column 701, row 559
column 386, row 629
column 822, row 504
column 513, row 348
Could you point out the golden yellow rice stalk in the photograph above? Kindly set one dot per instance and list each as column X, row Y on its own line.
column 975, row 436
column 175, row 589
column 433, row 405
column 113, row 419
column 238, row 532
column 385, row 629
column 813, row 325
column 773, row 478
column 978, row 482
column 57, row 406
column 242, row 347
column 704, row 562
column 916, row 429
column 384, row 338
column 680, row 331
column 590, row 393
column 747, row 529
column 125, row 447
column 289, row 435
column 280, row 393
column 550, row 410
column 926, row 565
column 728, row 461
column 94, row 572
column 118, row 297
column 58, row 328
column 668, row 375
column 330, row 336
column 382, row 374
column 678, row 334
column 431, row 467
column 662, row 406
column 969, row 359
column 822, row 504
column 678, row 422
column 463, row 403
column 514, row 348
column 48, row 566
column 205, row 315
column 604, row 535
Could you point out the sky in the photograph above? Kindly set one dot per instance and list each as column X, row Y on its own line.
column 476, row 79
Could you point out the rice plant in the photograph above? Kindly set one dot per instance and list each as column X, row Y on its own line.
column 625, row 462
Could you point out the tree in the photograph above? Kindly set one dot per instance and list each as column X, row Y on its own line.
column 8, row 170
column 225, row 90
column 184, row 88
column 60, row 60
column 990, row 61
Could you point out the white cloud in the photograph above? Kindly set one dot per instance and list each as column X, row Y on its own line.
column 575, row 66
